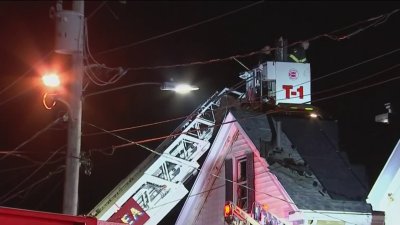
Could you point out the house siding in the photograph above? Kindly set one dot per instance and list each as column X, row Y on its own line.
column 210, row 213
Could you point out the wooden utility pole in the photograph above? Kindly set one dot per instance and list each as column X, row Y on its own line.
column 71, row 185
column 69, row 40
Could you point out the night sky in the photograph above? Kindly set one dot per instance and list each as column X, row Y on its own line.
column 27, row 35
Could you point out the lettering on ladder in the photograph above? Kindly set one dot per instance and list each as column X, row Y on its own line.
column 130, row 219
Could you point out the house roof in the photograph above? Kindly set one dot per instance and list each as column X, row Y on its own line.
column 255, row 125
column 304, row 165
column 317, row 143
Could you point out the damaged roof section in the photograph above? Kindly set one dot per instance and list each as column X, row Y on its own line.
column 317, row 143
column 306, row 160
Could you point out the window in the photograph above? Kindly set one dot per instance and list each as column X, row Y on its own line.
column 240, row 169
column 242, row 190
column 242, row 173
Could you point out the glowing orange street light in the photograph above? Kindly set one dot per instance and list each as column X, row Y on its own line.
column 54, row 92
column 51, row 80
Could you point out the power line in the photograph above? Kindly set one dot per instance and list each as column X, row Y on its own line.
column 151, row 150
column 31, row 138
column 22, row 156
column 272, row 49
column 247, row 54
column 357, row 64
column 5, row 197
column 17, row 153
column 189, row 196
column 139, row 143
column 30, row 166
column 122, row 87
column 16, row 168
column 136, row 127
column 235, row 137
column 197, row 63
column 315, row 93
column 96, row 9
column 378, row 20
column 329, row 35
column 48, row 195
column 178, row 30
column 122, row 138
column 24, row 74
column 57, row 171
column 358, row 89
column 193, row 130
column 225, row 59
column 233, row 88
column 173, row 135
column 234, row 58
column 357, row 81
column 364, row 21
column 26, row 90
column 88, row 70
column 319, row 78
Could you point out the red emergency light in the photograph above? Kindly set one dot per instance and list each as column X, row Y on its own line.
column 228, row 212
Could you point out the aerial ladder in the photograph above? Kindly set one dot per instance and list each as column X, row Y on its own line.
column 157, row 185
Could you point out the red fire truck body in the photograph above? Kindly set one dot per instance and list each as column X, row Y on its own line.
column 11, row 216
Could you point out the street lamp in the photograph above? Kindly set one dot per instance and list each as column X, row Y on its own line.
column 51, row 80
column 180, row 88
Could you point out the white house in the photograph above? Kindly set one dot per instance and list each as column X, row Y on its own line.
column 385, row 194
column 289, row 165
